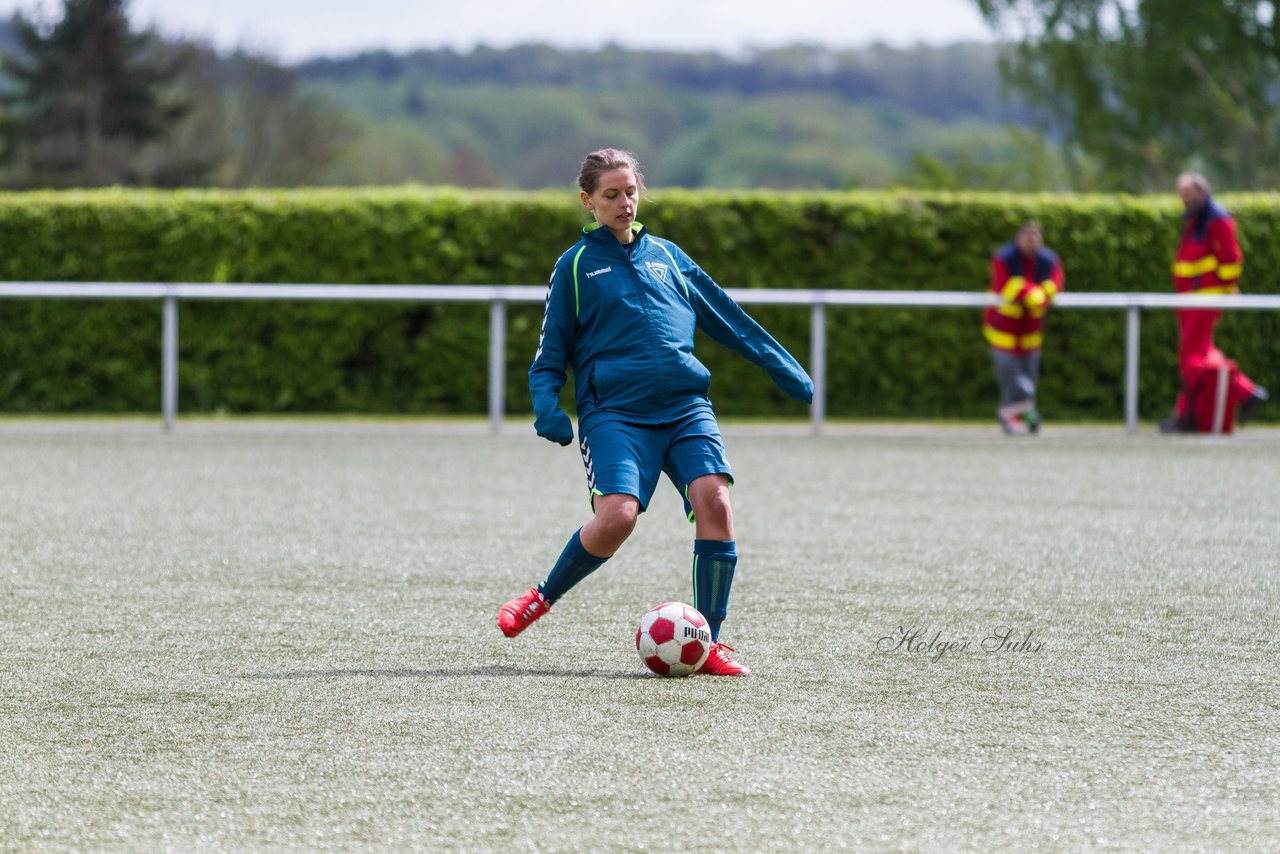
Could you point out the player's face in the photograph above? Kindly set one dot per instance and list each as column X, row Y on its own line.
column 615, row 200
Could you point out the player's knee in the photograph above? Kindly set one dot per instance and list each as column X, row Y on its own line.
column 716, row 514
column 616, row 517
column 709, row 498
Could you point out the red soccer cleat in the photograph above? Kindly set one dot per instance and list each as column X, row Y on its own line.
column 522, row 612
column 719, row 663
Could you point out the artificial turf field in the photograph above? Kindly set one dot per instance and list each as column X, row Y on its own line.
column 278, row 637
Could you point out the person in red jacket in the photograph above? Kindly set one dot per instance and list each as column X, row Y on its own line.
column 1209, row 262
column 1028, row 277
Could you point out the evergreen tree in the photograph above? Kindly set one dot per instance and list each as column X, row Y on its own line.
column 83, row 94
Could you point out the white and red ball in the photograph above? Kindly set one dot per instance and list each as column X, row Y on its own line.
column 673, row 639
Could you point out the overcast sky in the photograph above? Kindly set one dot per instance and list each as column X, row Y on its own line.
column 296, row 29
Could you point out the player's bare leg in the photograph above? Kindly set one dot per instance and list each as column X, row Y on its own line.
column 614, row 520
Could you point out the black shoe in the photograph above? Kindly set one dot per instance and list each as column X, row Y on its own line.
column 1033, row 422
column 1250, row 407
column 1175, row 424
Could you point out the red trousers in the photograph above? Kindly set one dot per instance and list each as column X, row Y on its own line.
column 1195, row 349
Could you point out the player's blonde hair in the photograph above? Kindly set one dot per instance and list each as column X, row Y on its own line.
column 606, row 160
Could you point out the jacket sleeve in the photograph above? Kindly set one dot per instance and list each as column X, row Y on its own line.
column 1000, row 278
column 1225, row 246
column 1056, row 282
column 1034, row 297
column 548, row 373
column 726, row 323
column 1012, row 289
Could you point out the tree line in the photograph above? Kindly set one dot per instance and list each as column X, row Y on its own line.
column 1141, row 91
column 1088, row 95
column 87, row 100
column 946, row 83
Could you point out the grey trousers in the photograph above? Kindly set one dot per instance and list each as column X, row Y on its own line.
column 1017, row 374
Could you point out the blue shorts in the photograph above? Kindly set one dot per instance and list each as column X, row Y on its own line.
column 626, row 458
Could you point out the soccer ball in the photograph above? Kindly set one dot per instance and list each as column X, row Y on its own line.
column 673, row 639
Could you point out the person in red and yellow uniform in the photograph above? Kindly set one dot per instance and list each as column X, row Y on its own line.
column 1027, row 277
column 1209, row 262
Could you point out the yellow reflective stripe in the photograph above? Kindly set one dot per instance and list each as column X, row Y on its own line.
column 1010, row 310
column 1050, row 288
column 1230, row 271
column 1009, row 341
column 1012, row 288
column 1188, row 269
column 1219, row 289
column 1003, row 340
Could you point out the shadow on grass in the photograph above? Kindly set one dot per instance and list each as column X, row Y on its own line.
column 445, row 672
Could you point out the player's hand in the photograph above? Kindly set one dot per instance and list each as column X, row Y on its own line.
column 555, row 427
column 797, row 386
column 1037, row 302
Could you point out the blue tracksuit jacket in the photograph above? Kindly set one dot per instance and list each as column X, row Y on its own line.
column 624, row 323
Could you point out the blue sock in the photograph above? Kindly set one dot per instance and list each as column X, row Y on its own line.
column 575, row 564
column 713, row 564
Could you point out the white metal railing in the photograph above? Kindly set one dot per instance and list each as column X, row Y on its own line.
column 498, row 296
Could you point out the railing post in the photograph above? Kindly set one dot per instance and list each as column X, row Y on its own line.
column 169, row 363
column 1220, row 402
column 497, row 362
column 818, row 362
column 1131, row 332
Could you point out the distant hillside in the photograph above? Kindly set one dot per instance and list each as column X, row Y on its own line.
column 945, row 83
column 798, row 117
column 802, row 117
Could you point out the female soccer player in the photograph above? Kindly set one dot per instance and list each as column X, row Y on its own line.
column 620, row 312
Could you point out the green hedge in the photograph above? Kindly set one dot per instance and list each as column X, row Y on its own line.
column 103, row 356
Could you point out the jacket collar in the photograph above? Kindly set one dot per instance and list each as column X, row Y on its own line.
column 595, row 231
column 1010, row 252
column 1199, row 220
